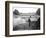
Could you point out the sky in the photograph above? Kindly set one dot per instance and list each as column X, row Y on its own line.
column 24, row 8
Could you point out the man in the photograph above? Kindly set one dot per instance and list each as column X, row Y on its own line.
column 29, row 21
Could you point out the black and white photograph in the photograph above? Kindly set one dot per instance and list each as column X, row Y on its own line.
column 25, row 18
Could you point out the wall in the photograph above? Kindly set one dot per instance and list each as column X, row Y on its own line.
column 2, row 19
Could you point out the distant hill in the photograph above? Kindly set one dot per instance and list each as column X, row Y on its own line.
column 27, row 14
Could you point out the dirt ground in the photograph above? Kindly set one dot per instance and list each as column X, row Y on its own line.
column 26, row 26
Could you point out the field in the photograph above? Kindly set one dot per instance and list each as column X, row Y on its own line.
column 22, row 23
column 25, row 26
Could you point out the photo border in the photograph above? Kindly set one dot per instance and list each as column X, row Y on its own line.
column 7, row 18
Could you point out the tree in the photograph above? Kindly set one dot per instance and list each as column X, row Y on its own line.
column 16, row 12
column 38, row 12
